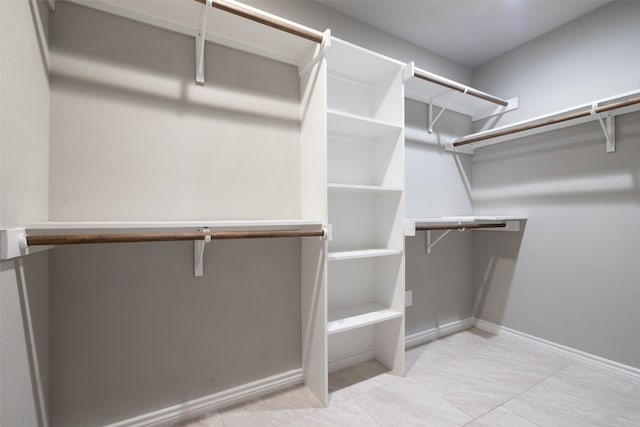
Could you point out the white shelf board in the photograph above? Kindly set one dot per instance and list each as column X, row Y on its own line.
column 466, row 219
column 513, row 222
column 222, row 27
column 366, row 189
column 363, row 127
column 545, row 117
column 425, row 91
column 359, row 316
column 362, row 253
column 114, row 226
column 359, row 64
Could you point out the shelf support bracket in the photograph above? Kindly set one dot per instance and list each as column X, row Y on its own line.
column 200, row 42
column 198, row 253
column 608, row 127
column 431, row 244
column 432, row 122
column 320, row 53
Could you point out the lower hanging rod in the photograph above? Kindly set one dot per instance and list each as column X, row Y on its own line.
column 74, row 239
column 460, row 226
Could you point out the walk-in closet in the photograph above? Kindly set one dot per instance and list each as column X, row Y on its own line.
column 319, row 212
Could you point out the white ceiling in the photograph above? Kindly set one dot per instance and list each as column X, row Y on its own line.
column 469, row 32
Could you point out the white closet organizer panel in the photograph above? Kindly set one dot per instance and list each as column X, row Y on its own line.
column 359, row 316
column 342, row 123
column 357, row 160
column 371, row 189
column 361, row 83
column 365, row 220
column 359, row 64
column 363, row 253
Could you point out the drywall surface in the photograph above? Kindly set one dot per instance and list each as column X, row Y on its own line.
column 572, row 276
column 132, row 331
column 592, row 57
column 134, row 138
column 320, row 17
column 20, row 392
column 441, row 282
column 437, row 183
column 24, row 161
column 24, row 112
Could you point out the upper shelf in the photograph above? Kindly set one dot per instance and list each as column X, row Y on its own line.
column 222, row 27
column 615, row 105
column 428, row 87
column 512, row 222
column 364, row 127
column 55, row 227
column 359, row 64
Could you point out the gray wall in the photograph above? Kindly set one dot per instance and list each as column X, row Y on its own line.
column 24, row 148
column 133, row 138
column 592, row 57
column 133, row 331
column 437, row 184
column 320, row 17
column 572, row 276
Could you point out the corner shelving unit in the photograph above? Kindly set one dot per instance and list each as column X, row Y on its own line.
column 365, row 161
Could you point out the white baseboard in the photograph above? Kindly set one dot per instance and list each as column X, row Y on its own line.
column 563, row 350
column 344, row 361
column 194, row 408
column 441, row 331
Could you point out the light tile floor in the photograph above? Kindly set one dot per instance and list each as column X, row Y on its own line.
column 468, row 379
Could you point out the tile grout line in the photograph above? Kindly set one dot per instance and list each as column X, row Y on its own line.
column 366, row 412
column 522, row 392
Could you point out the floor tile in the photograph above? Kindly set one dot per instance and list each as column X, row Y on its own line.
column 491, row 375
column 407, row 403
column 581, row 395
column 500, row 417
column 444, row 349
column 272, row 410
column 349, row 382
column 347, row 414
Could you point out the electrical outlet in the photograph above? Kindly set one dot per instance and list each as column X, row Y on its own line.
column 408, row 298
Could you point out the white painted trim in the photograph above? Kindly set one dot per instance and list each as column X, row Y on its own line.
column 440, row 331
column 563, row 350
column 346, row 360
column 173, row 414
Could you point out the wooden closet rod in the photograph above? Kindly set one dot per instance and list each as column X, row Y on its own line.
column 74, row 239
column 433, row 78
column 551, row 121
column 266, row 19
column 460, row 226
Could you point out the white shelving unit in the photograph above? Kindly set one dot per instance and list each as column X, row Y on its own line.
column 365, row 170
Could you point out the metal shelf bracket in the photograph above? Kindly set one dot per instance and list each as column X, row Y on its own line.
column 430, row 244
column 200, row 42
column 431, row 121
column 198, row 253
column 608, row 127
column 319, row 55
